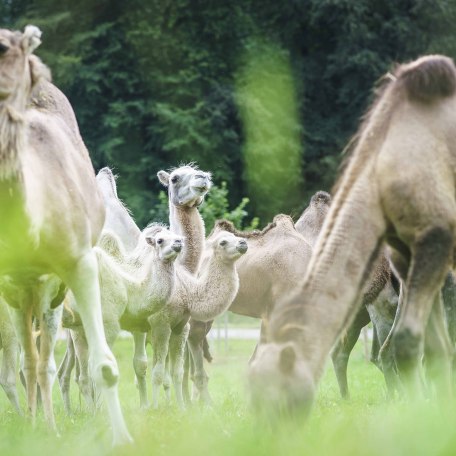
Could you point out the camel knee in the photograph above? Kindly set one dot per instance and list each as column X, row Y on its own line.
column 407, row 347
column 158, row 375
column 140, row 367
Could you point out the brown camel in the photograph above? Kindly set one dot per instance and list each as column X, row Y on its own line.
column 407, row 140
column 53, row 212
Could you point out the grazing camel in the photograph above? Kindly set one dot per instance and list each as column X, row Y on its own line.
column 202, row 297
column 54, row 215
column 132, row 289
column 407, row 139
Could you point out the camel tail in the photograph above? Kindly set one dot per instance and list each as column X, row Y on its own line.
column 429, row 78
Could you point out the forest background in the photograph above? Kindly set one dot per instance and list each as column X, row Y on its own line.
column 263, row 93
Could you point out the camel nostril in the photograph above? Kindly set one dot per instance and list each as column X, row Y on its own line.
column 242, row 247
column 177, row 246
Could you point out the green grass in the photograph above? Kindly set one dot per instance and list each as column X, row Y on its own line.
column 367, row 424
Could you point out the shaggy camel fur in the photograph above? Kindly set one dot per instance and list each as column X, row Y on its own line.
column 10, row 346
column 54, row 215
column 131, row 290
column 407, row 139
column 203, row 298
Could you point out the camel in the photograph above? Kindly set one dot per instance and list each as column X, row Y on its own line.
column 131, row 290
column 187, row 187
column 407, row 139
column 54, row 215
column 202, row 297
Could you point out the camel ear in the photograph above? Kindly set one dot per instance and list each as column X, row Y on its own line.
column 38, row 70
column 31, row 38
column 287, row 359
column 150, row 241
column 163, row 177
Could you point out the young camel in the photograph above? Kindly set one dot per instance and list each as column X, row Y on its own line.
column 202, row 297
column 54, row 215
column 133, row 287
column 407, row 138
column 118, row 221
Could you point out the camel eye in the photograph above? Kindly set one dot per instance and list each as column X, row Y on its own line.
column 174, row 179
column 160, row 241
column 223, row 243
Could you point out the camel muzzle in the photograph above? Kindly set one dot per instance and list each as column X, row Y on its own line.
column 242, row 247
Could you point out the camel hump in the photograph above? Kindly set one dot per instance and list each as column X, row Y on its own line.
column 429, row 78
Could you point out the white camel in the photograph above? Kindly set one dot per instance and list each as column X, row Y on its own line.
column 133, row 287
column 202, row 297
column 53, row 214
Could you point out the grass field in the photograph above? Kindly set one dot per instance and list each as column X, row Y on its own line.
column 367, row 424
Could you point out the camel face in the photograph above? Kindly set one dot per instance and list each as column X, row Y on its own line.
column 228, row 246
column 279, row 380
column 187, row 186
column 15, row 69
column 167, row 244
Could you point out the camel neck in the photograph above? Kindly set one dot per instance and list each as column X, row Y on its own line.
column 187, row 222
column 12, row 138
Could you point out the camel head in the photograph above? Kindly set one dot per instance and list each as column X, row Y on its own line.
column 227, row 246
column 167, row 244
column 280, row 383
column 187, row 185
column 19, row 69
column 106, row 182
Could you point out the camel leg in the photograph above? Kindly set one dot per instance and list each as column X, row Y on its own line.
column 140, row 367
column 160, row 343
column 83, row 282
column 64, row 373
column 382, row 315
column 176, row 357
column 200, row 378
column 341, row 353
column 167, row 380
column 431, row 258
column 263, row 340
column 185, row 382
column 22, row 320
column 46, row 363
column 83, row 379
column 10, row 347
column 439, row 350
